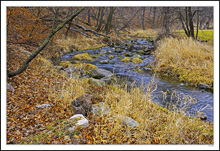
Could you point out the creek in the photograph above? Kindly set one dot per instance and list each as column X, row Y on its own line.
column 189, row 99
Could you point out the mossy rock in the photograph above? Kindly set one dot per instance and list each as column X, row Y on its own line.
column 111, row 57
column 137, row 60
column 85, row 66
column 82, row 56
column 65, row 64
column 126, row 59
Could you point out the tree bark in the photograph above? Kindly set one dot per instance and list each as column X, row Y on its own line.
column 154, row 16
column 43, row 45
column 101, row 19
column 191, row 22
column 142, row 18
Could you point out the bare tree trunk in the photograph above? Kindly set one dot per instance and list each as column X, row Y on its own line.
column 154, row 16
column 101, row 19
column 201, row 22
column 142, row 18
column 109, row 22
column 191, row 22
column 43, row 45
column 207, row 23
column 197, row 24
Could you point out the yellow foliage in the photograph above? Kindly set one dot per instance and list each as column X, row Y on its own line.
column 83, row 56
column 137, row 60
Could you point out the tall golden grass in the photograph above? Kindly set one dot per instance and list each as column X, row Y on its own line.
column 189, row 60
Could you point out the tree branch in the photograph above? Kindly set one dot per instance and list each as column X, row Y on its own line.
column 43, row 45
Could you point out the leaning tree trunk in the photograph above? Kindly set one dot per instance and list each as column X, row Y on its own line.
column 43, row 45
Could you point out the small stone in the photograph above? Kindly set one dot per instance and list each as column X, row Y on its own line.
column 202, row 116
column 181, row 84
column 81, row 120
column 43, row 105
column 118, row 50
column 103, row 51
column 66, row 138
column 101, row 108
column 96, row 82
column 130, row 122
column 104, row 61
column 147, row 69
column 10, row 87
column 204, row 86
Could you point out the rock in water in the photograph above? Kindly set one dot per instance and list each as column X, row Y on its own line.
column 82, row 104
column 100, row 73
column 103, row 51
column 204, row 86
column 202, row 116
column 104, row 61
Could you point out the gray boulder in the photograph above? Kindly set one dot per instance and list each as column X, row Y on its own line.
column 96, row 82
column 129, row 122
column 82, row 104
column 100, row 73
column 108, row 79
column 101, row 108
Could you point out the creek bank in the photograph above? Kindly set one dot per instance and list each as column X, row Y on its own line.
column 117, row 68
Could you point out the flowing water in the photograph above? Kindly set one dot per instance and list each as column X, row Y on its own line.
column 189, row 99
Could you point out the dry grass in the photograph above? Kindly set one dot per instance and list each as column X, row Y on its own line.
column 188, row 60
column 80, row 42
column 157, row 125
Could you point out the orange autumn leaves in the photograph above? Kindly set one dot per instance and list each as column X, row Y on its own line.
column 24, row 25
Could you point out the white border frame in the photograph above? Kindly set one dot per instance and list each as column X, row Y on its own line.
column 4, row 4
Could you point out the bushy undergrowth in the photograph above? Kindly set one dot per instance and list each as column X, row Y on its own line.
column 186, row 59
